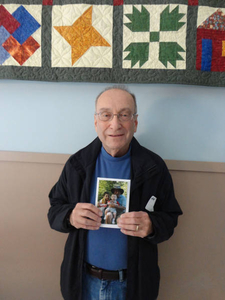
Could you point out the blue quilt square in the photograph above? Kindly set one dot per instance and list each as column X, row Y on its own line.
column 28, row 24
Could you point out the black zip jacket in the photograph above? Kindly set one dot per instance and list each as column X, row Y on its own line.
column 149, row 177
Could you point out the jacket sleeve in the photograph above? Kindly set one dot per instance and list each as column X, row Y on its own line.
column 167, row 210
column 60, row 206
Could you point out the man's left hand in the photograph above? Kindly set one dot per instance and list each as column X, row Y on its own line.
column 136, row 223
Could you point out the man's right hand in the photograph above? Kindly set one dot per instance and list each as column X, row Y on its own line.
column 86, row 216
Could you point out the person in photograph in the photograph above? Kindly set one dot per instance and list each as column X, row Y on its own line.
column 110, row 211
column 103, row 203
column 121, row 199
column 113, row 263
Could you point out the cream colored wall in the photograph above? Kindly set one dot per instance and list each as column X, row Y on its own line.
column 192, row 261
column 31, row 253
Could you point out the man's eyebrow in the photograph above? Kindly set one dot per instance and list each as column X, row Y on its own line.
column 104, row 108
column 109, row 109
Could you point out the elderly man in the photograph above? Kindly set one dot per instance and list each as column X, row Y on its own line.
column 106, row 263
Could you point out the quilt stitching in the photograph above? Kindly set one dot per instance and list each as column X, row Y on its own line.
column 85, row 46
column 121, row 41
column 210, row 40
column 161, row 37
column 17, row 36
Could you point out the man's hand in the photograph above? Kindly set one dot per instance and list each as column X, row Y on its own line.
column 136, row 223
column 86, row 215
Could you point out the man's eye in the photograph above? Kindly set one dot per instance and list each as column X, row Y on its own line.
column 125, row 115
column 105, row 115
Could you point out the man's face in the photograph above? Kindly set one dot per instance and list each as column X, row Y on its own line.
column 115, row 135
column 117, row 192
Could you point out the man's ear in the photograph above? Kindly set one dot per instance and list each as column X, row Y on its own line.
column 135, row 123
column 95, row 122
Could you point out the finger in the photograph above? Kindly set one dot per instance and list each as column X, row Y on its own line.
column 87, row 210
column 134, row 218
column 131, row 227
column 136, row 231
column 139, row 233
column 134, row 214
column 86, row 215
column 87, row 224
column 130, row 221
column 89, row 207
column 135, row 224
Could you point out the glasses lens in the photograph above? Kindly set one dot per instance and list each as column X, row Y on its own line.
column 105, row 116
column 126, row 116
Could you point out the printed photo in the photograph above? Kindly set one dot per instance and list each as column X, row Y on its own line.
column 112, row 197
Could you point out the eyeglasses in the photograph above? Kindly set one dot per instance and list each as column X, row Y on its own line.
column 106, row 116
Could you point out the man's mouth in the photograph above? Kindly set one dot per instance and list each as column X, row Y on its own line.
column 116, row 135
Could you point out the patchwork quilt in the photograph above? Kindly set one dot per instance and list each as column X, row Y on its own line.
column 118, row 41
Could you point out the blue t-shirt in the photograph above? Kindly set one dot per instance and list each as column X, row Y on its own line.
column 122, row 200
column 106, row 248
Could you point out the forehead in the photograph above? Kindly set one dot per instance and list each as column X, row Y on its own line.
column 115, row 99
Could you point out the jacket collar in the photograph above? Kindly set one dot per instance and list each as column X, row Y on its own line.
column 88, row 155
column 141, row 162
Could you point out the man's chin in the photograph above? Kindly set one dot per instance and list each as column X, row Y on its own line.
column 116, row 149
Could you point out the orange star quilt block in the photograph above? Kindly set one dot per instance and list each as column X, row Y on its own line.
column 79, row 39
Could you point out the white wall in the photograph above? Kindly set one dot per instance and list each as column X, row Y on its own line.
column 178, row 122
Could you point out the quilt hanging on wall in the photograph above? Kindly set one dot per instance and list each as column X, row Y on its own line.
column 118, row 41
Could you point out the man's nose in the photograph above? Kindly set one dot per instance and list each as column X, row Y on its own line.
column 115, row 122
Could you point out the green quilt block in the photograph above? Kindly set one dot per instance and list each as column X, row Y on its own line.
column 154, row 36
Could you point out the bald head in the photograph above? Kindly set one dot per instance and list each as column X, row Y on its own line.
column 121, row 88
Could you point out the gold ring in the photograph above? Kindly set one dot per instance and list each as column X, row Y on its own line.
column 137, row 227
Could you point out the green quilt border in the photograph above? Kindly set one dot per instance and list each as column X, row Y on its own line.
column 117, row 74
